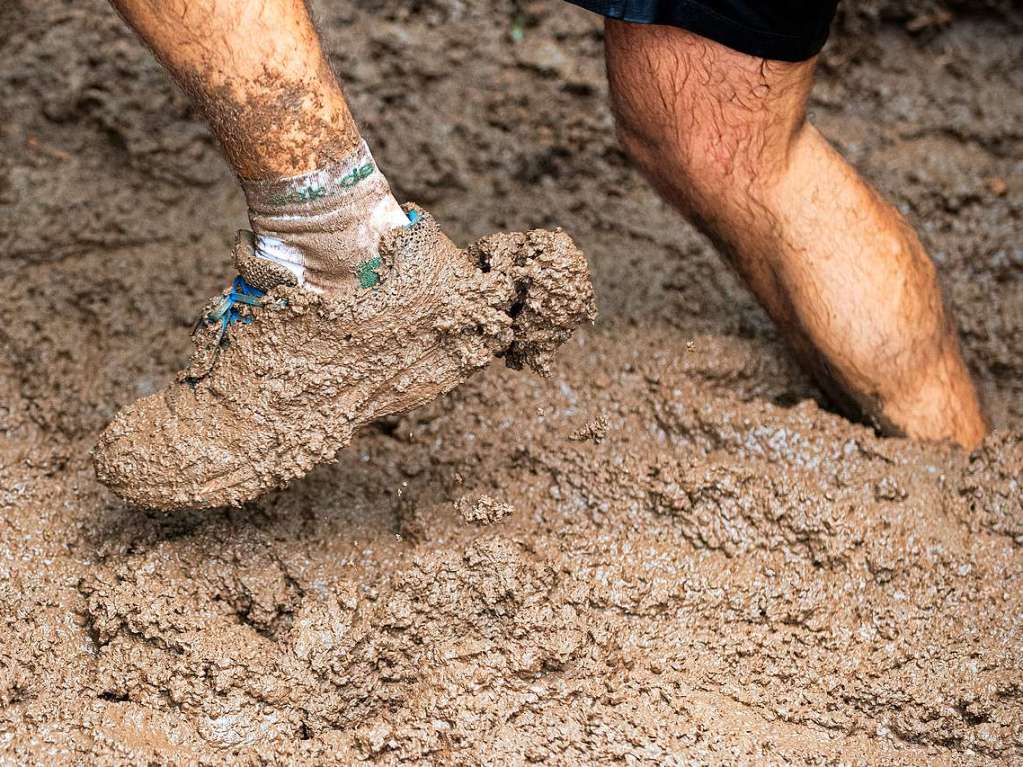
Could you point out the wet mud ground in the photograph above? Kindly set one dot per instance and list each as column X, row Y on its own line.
column 669, row 552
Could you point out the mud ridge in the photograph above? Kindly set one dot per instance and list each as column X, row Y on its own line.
column 667, row 551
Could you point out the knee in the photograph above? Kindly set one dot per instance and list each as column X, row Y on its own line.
column 702, row 161
column 703, row 124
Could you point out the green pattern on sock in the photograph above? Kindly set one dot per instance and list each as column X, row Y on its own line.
column 366, row 272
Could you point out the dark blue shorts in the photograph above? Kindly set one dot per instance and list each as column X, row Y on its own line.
column 786, row 30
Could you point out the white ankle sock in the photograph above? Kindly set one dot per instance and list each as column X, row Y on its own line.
column 325, row 226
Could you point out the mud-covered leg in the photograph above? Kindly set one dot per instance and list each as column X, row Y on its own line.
column 318, row 204
column 346, row 307
column 258, row 74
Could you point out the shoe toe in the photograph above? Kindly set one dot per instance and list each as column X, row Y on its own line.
column 155, row 454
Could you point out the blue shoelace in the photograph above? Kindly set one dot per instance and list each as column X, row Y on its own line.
column 227, row 312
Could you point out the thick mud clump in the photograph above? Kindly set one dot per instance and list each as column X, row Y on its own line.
column 670, row 551
column 289, row 384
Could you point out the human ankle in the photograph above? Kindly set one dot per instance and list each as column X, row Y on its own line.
column 324, row 227
column 939, row 402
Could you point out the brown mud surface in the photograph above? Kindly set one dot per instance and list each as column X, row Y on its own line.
column 669, row 552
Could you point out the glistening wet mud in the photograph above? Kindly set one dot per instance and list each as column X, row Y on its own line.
column 694, row 560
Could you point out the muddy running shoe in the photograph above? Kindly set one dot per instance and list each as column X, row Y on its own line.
column 282, row 378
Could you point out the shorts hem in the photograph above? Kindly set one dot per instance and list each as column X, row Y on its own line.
column 704, row 22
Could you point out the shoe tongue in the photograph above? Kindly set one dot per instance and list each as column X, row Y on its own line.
column 260, row 273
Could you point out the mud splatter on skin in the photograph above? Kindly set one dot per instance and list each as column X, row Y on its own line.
column 734, row 576
column 268, row 95
column 274, row 127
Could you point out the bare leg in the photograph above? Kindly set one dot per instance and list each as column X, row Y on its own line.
column 723, row 137
column 257, row 72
